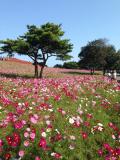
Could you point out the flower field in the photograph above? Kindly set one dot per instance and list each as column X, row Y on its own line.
column 69, row 118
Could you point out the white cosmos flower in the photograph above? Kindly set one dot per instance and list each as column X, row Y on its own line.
column 28, row 129
column 57, row 130
column 113, row 136
column 47, row 117
column 71, row 147
column 48, row 130
column 92, row 130
column 72, row 137
column 48, row 122
column 51, row 110
column 100, row 124
column 71, row 120
column 33, row 103
column 53, row 154
column 43, row 134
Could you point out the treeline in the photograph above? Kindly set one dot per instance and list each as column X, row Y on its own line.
column 68, row 65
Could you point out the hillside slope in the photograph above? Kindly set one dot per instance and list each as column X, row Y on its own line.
column 14, row 67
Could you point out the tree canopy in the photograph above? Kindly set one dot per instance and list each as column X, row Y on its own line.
column 7, row 47
column 98, row 54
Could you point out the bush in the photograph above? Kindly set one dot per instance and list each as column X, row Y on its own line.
column 71, row 65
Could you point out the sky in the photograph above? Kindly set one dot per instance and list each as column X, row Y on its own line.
column 82, row 20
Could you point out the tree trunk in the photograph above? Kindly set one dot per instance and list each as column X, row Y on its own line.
column 104, row 71
column 42, row 65
column 36, row 69
column 93, row 70
column 41, row 71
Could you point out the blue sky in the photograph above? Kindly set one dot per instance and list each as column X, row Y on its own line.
column 82, row 20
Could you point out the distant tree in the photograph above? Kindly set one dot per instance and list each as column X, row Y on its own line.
column 58, row 66
column 70, row 65
column 117, row 64
column 112, row 60
column 41, row 43
column 92, row 56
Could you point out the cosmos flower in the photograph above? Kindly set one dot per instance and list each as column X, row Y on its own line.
column 71, row 121
column 21, row 153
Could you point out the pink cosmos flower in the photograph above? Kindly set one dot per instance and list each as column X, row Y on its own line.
column 32, row 135
column 7, row 156
column 100, row 152
column 26, row 134
column 26, row 143
column 33, row 120
column 23, row 122
column 43, row 143
column 1, row 143
column 36, row 116
column 13, row 140
column 63, row 113
column 84, row 135
column 18, row 125
column 106, row 146
column 21, row 153
column 58, row 156
column 37, row 158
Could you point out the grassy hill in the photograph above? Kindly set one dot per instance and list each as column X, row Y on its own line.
column 14, row 67
column 18, row 68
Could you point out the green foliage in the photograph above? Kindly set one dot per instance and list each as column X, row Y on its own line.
column 58, row 66
column 99, row 55
column 113, row 61
column 7, row 47
column 93, row 54
column 46, row 41
column 71, row 65
column 68, row 65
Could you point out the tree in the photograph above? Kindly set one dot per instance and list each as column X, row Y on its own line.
column 41, row 43
column 92, row 56
column 117, row 64
column 71, row 65
column 58, row 66
column 112, row 60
